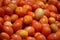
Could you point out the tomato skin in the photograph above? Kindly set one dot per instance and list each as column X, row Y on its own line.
column 52, row 20
column 27, row 19
column 46, row 30
column 4, row 35
column 36, row 25
column 16, row 37
column 17, row 25
column 53, row 36
column 2, row 12
column 54, row 27
column 40, row 37
column 7, row 18
column 7, row 29
column 14, row 17
column 30, row 38
column 44, row 20
column 30, row 30
column 22, row 33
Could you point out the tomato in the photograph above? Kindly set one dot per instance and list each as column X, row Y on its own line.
column 52, row 20
column 27, row 19
column 8, row 10
column 46, row 30
column 1, row 20
column 2, row 12
column 52, row 36
column 52, row 8
column 58, row 17
column 8, row 23
column 40, row 37
column 32, row 14
column 7, row 18
column 14, row 17
column 58, row 6
column 7, row 29
column 1, row 3
column 22, row 33
column 30, row 30
column 44, row 20
column 53, row 27
column 39, row 13
column 36, row 25
column 17, row 25
column 20, row 11
column 16, row 37
column 4, row 35
column 30, row 38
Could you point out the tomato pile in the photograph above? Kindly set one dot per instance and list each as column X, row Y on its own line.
column 29, row 20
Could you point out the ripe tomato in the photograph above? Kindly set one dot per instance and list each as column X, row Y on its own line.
column 44, row 20
column 14, row 17
column 22, row 33
column 30, row 38
column 36, row 25
column 30, row 30
column 1, row 20
column 7, row 29
column 17, row 25
column 4, row 35
column 16, row 37
column 27, row 19
column 52, row 20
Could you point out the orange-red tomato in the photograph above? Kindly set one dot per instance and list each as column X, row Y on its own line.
column 1, row 20
column 44, row 20
column 7, row 18
column 30, row 38
column 14, row 17
column 40, row 37
column 53, row 36
column 2, row 12
column 22, row 33
column 46, row 30
column 52, row 20
column 8, row 10
column 27, row 19
column 52, row 8
column 16, row 37
column 7, row 29
column 20, row 11
column 36, row 25
column 30, row 30
column 4, row 35
column 17, row 25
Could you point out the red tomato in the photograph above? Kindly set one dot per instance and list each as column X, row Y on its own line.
column 8, row 10
column 52, row 8
column 16, row 37
column 30, row 30
column 40, row 37
column 8, row 30
column 53, row 36
column 4, row 35
column 22, row 33
column 14, row 17
column 7, row 18
column 2, row 12
column 30, row 38
column 17, row 25
column 52, row 20
column 46, row 30
column 27, row 19
column 44, row 20
column 1, row 3
column 36, row 25
column 1, row 20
